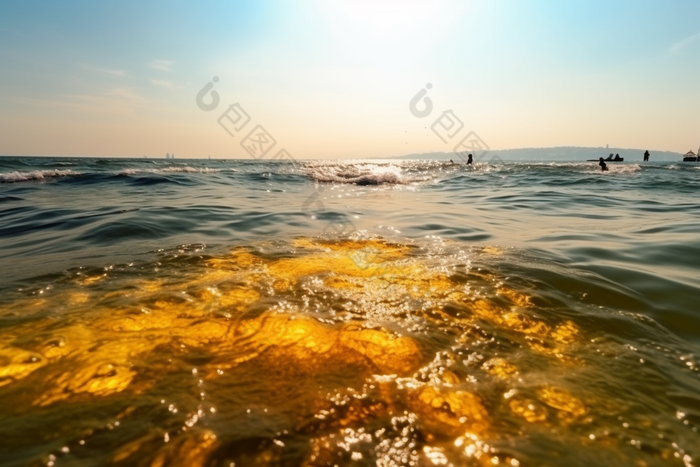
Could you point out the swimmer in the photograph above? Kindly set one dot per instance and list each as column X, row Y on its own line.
column 603, row 165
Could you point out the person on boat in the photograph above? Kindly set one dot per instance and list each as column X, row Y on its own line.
column 603, row 165
column 646, row 156
column 610, row 157
column 617, row 157
column 469, row 159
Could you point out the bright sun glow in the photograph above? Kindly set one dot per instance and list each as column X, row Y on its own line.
column 392, row 19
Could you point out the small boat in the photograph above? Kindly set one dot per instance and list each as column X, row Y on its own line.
column 610, row 158
column 690, row 156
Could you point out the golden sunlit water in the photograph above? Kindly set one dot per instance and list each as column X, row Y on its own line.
column 346, row 351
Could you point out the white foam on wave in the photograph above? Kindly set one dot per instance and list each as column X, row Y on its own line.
column 360, row 174
column 625, row 168
column 681, row 167
column 570, row 165
column 13, row 177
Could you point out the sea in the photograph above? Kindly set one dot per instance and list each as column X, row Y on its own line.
column 172, row 312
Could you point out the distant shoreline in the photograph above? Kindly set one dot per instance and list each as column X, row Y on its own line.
column 558, row 153
column 551, row 154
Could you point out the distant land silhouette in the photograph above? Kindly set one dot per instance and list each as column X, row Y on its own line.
column 562, row 153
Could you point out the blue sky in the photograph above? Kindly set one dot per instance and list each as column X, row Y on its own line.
column 334, row 78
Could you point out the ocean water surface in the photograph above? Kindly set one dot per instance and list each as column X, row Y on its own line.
column 365, row 312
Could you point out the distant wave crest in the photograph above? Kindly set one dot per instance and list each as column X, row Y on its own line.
column 165, row 170
column 13, row 177
column 361, row 174
column 627, row 168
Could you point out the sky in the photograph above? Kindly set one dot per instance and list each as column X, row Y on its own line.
column 335, row 78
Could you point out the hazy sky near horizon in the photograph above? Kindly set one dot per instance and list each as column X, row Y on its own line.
column 333, row 78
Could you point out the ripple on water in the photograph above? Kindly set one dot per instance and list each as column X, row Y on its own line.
column 352, row 351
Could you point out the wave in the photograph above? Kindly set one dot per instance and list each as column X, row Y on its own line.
column 14, row 177
column 168, row 170
column 415, row 171
column 36, row 175
column 364, row 174
column 351, row 172
column 627, row 168
column 578, row 166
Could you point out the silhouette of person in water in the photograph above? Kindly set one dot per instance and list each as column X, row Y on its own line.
column 646, row 156
column 603, row 165
column 469, row 159
column 451, row 161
